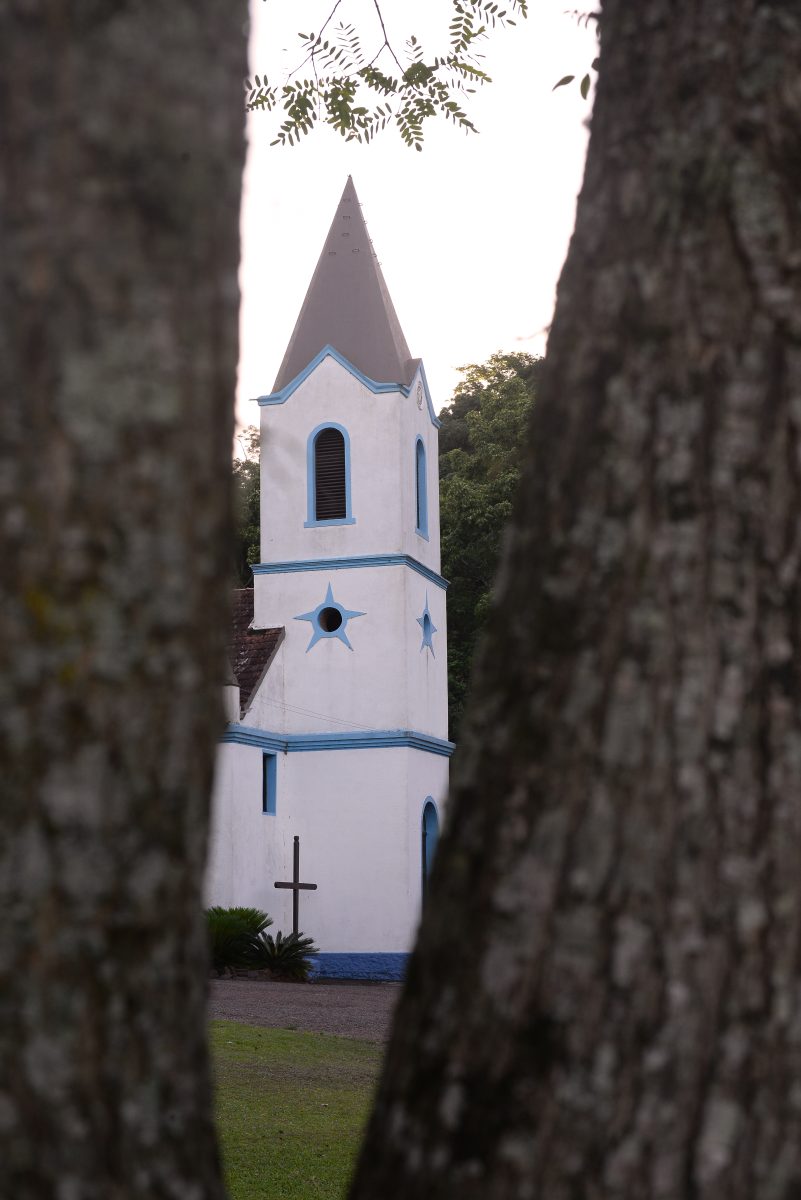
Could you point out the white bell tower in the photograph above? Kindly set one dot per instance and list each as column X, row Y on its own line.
column 350, row 555
column 352, row 717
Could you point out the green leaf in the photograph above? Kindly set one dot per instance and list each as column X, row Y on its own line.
column 584, row 87
column 426, row 89
column 565, row 79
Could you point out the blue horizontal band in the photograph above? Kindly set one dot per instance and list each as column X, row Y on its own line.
column 386, row 967
column 344, row 564
column 324, row 524
column 368, row 739
column 328, row 351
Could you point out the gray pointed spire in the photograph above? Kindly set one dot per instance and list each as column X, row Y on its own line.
column 348, row 306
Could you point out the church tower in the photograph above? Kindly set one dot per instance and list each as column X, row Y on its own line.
column 350, row 719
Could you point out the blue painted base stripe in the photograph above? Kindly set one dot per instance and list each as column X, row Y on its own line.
column 369, row 739
column 387, row 968
column 344, row 564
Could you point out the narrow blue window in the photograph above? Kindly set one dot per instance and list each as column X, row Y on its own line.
column 421, row 489
column 430, row 836
column 268, row 780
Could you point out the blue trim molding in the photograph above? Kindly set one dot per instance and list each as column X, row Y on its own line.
column 345, row 564
column 367, row 739
column 283, row 395
column 311, row 497
column 386, row 967
column 246, row 735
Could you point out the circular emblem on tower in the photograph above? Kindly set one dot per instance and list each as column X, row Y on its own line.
column 329, row 620
column 419, row 395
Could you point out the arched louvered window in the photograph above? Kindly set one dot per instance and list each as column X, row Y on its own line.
column 421, row 489
column 329, row 476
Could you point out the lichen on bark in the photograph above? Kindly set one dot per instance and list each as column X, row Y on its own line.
column 616, row 907
column 122, row 153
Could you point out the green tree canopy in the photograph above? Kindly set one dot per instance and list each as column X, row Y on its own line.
column 246, row 506
column 482, row 446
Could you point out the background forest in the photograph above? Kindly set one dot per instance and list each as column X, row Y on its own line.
column 482, row 445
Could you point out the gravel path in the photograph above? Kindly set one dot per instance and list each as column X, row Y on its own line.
column 348, row 1009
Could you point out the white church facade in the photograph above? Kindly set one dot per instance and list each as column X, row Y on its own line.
column 337, row 741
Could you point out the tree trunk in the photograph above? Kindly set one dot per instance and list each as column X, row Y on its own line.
column 606, row 997
column 122, row 150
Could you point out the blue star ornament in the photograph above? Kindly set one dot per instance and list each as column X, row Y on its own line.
column 329, row 620
column 429, row 629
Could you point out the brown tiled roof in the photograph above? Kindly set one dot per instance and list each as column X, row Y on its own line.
column 250, row 651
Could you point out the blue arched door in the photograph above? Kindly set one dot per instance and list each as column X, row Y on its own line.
column 430, row 836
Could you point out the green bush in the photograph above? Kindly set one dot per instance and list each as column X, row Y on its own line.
column 286, row 957
column 232, row 935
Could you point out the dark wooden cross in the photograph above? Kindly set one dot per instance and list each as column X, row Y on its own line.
column 296, row 886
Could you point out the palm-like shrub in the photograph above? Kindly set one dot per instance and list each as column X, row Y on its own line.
column 233, row 933
column 286, row 957
column 253, row 918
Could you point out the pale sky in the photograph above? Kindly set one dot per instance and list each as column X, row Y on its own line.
column 471, row 233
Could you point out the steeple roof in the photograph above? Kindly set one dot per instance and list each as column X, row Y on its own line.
column 348, row 306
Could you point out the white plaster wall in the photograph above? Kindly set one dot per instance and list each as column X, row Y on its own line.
column 382, row 429
column 426, row 672
column 357, row 813
column 384, row 682
column 349, row 814
column 241, row 842
column 231, row 704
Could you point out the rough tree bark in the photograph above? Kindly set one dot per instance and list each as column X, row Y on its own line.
column 606, row 997
column 122, row 149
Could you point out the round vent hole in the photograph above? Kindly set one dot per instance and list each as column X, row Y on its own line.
column 330, row 620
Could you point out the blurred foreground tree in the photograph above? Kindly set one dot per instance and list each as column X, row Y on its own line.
column 120, row 169
column 604, row 1001
column 121, row 158
column 604, row 998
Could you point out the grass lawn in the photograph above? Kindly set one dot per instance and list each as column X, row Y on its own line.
column 291, row 1108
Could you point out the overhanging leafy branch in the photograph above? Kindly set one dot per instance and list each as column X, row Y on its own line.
column 359, row 97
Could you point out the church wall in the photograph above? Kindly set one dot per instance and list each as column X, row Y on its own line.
column 426, row 669
column 381, row 429
column 239, row 842
column 330, row 394
column 352, row 717
column 327, row 686
column 349, row 812
column 387, row 681
column 358, row 816
column 416, row 423
column 427, row 778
